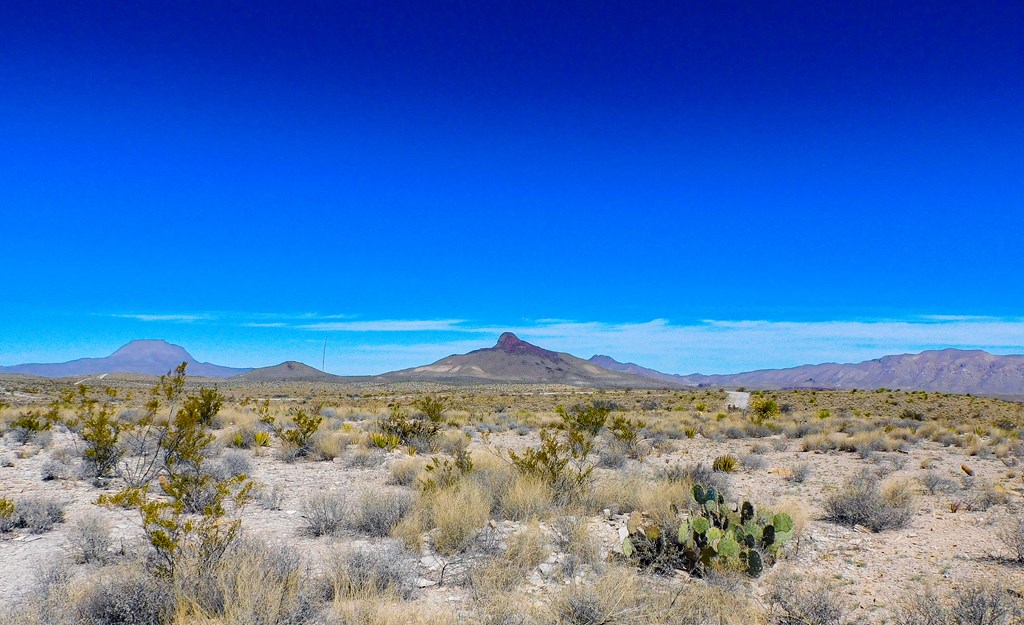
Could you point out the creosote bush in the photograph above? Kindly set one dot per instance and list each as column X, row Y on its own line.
column 189, row 520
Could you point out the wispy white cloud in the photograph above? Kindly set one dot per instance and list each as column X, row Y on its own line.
column 277, row 324
column 180, row 318
column 390, row 325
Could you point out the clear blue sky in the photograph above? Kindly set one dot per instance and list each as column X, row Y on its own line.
column 406, row 179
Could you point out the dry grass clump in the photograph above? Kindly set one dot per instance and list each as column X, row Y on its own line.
column 383, row 571
column 574, row 538
column 527, row 549
column 449, row 442
column 527, row 497
column 819, row 442
column 327, row 444
column 456, row 514
column 618, row 492
column 404, row 471
column 863, row 501
column 251, row 583
column 255, row 582
column 623, row 597
column 376, row 611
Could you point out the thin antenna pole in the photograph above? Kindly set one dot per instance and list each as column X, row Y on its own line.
column 323, row 361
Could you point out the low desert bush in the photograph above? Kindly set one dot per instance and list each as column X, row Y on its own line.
column 976, row 603
column 753, row 462
column 376, row 512
column 271, row 497
column 612, row 456
column 863, row 501
column 982, row 495
column 324, row 513
column 89, row 540
column 39, row 515
column 126, row 595
column 799, row 600
column 363, row 458
column 799, row 473
column 233, row 463
column 935, row 483
column 1012, row 536
column 53, row 469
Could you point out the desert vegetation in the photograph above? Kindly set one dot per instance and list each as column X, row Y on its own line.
column 174, row 501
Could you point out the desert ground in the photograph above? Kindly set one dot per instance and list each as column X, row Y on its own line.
column 405, row 503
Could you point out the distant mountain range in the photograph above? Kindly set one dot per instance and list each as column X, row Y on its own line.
column 515, row 361
column 947, row 370
column 147, row 356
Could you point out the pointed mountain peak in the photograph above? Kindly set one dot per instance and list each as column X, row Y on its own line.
column 508, row 341
column 511, row 344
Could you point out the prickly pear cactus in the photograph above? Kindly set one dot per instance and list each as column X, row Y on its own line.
column 709, row 535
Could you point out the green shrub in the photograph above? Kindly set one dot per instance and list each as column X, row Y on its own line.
column 726, row 464
column 589, row 418
column 7, row 515
column 763, row 408
column 560, row 462
column 301, row 435
column 406, row 429
column 432, row 407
